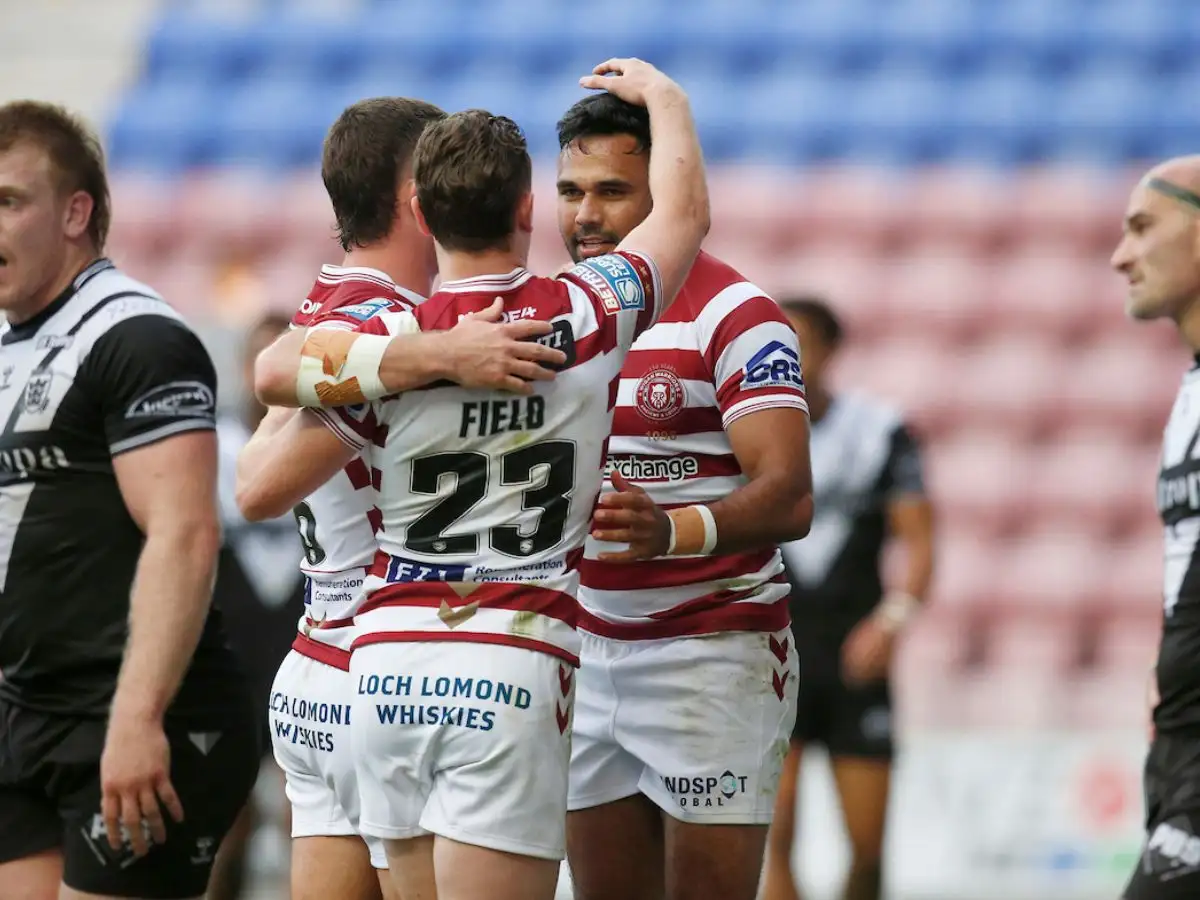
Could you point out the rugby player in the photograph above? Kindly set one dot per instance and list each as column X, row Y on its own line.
column 129, row 742
column 688, row 682
column 869, row 488
column 462, row 739
column 1159, row 256
column 388, row 266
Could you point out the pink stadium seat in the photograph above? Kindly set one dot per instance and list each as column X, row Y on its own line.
column 1111, row 699
column 870, row 205
column 286, row 279
column 756, row 204
column 145, row 214
column 186, row 282
column 1075, row 482
column 1014, row 698
column 305, row 216
column 1133, row 575
column 904, row 373
column 928, row 660
column 1053, row 296
column 1129, row 642
column 935, row 290
column 1084, row 204
column 980, row 477
column 1124, row 379
column 1004, row 382
column 956, row 204
column 1046, row 569
column 968, row 569
column 224, row 211
column 1035, row 641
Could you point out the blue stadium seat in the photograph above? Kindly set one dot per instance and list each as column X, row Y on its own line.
column 799, row 116
column 1145, row 35
column 842, row 35
column 899, row 116
column 275, row 124
column 1104, row 114
column 999, row 115
column 198, row 46
column 1039, row 34
column 164, row 127
column 943, row 35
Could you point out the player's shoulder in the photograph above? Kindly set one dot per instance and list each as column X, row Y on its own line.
column 524, row 295
column 715, row 288
column 353, row 293
column 113, row 301
column 872, row 413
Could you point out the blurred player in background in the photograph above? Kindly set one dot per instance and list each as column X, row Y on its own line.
column 260, row 591
column 485, row 505
column 1159, row 255
column 687, row 688
column 128, row 743
column 869, row 489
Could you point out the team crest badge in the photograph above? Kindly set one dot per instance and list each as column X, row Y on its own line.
column 659, row 395
column 37, row 392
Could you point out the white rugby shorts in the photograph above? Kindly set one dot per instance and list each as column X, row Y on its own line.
column 310, row 735
column 469, row 741
column 700, row 725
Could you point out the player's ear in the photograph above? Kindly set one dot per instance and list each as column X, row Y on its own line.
column 525, row 213
column 420, row 217
column 76, row 214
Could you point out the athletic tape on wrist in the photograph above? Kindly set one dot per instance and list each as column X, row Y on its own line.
column 339, row 368
column 693, row 531
column 896, row 610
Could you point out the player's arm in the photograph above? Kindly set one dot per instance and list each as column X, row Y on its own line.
column 273, row 476
column 156, row 387
column 911, row 524
column 331, row 365
column 671, row 235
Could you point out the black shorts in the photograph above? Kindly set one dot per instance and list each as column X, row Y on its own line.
column 1169, row 868
column 849, row 720
column 50, row 798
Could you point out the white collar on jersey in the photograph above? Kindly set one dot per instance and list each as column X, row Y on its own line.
column 331, row 274
column 497, row 283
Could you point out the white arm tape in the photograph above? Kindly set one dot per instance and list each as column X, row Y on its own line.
column 362, row 363
column 710, row 529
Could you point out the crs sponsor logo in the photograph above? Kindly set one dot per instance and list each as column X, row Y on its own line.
column 181, row 399
column 659, row 395
column 363, row 311
column 775, row 365
column 709, row 792
column 615, row 280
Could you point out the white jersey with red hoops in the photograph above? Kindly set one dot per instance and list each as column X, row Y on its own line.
column 723, row 351
column 338, row 521
column 486, row 497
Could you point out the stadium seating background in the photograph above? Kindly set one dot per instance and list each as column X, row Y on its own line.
column 951, row 172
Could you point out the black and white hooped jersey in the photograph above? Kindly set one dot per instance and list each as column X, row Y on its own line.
column 863, row 456
column 107, row 368
column 1179, row 507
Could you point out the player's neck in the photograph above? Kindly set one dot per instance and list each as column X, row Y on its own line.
column 455, row 266
column 1189, row 325
column 406, row 267
column 77, row 259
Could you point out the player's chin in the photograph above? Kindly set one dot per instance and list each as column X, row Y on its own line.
column 1144, row 308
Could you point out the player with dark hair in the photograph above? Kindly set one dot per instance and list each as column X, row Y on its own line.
column 462, row 737
column 868, row 489
column 688, row 682
column 1159, row 255
column 128, row 742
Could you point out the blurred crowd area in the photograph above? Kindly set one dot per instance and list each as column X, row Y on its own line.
column 950, row 174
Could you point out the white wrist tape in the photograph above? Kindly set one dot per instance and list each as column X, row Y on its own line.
column 339, row 368
column 896, row 610
column 693, row 531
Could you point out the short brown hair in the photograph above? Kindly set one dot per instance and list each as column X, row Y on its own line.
column 73, row 149
column 364, row 158
column 472, row 168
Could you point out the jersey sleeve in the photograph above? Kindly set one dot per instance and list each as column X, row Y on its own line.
column 153, row 379
column 903, row 473
column 753, row 355
column 624, row 284
column 350, row 318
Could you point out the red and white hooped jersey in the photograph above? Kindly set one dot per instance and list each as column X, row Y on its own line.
column 338, row 520
column 722, row 351
column 486, row 497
